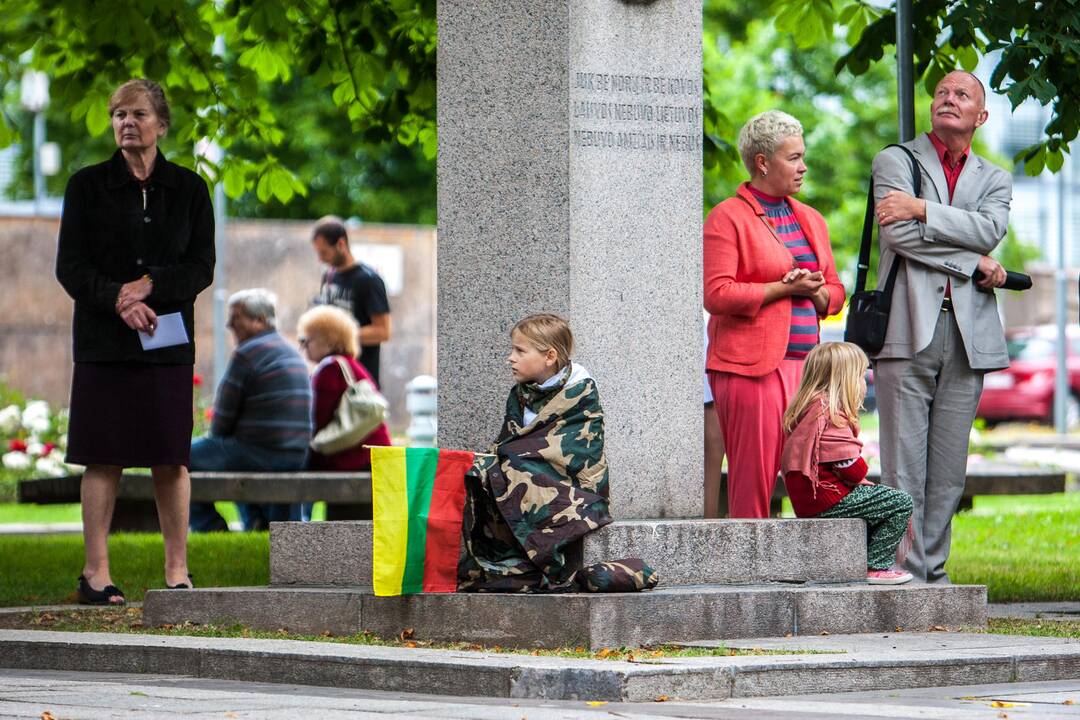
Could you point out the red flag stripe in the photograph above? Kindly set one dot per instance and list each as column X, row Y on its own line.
column 443, row 544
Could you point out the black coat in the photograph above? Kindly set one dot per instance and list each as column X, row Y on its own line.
column 108, row 239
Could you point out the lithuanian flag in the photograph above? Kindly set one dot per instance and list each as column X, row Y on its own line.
column 417, row 497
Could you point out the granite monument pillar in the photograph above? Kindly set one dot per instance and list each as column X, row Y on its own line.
column 569, row 178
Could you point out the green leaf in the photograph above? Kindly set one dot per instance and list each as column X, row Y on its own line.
column 234, row 181
column 1036, row 162
column 97, row 117
column 1054, row 160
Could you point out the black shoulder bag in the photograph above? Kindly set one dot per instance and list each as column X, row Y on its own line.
column 868, row 310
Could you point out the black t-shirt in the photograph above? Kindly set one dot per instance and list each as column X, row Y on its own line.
column 360, row 291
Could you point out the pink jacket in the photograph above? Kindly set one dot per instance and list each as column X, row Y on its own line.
column 741, row 253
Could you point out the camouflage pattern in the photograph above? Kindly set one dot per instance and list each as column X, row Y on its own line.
column 544, row 486
column 627, row 575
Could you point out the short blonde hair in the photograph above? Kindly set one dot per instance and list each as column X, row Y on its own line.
column 832, row 369
column 148, row 88
column 546, row 332
column 337, row 328
column 763, row 133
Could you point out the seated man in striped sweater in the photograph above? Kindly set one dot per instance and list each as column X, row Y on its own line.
column 262, row 411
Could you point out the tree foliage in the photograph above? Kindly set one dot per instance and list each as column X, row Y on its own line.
column 1036, row 45
column 372, row 61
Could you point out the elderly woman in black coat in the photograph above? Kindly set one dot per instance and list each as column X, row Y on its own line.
column 136, row 243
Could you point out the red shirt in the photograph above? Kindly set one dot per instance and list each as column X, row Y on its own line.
column 328, row 384
column 834, row 483
column 952, row 172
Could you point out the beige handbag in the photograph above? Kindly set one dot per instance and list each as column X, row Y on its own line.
column 362, row 409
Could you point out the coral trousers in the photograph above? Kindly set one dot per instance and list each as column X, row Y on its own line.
column 751, row 411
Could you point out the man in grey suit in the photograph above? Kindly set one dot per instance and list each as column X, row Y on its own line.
column 944, row 329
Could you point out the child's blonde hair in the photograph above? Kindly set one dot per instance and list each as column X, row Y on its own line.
column 546, row 332
column 835, row 370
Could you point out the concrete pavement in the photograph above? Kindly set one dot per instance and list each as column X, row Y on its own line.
column 100, row 696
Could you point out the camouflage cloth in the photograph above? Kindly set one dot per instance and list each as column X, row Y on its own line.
column 544, row 486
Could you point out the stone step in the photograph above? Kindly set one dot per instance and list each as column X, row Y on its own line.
column 665, row 615
column 685, row 552
column 863, row 664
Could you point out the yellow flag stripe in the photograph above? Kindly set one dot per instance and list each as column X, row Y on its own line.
column 390, row 508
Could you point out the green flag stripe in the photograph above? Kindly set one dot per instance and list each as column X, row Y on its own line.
column 420, row 465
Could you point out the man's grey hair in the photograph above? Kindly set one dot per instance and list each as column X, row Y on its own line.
column 257, row 304
column 763, row 133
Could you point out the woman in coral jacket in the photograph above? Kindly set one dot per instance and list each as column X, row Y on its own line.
column 770, row 278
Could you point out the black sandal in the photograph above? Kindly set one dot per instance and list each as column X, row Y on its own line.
column 182, row 586
column 90, row 596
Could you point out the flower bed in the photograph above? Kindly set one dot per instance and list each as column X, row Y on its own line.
column 33, row 438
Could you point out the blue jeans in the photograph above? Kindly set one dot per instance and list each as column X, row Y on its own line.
column 223, row 454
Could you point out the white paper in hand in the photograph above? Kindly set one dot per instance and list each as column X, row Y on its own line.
column 170, row 331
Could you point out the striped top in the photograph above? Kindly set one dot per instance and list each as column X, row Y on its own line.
column 804, row 317
column 265, row 397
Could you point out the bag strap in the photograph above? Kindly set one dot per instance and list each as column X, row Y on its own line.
column 868, row 229
column 346, row 370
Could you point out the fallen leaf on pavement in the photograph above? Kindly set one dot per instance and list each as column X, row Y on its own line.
column 824, row 632
column 1003, row 704
column 939, row 628
column 47, row 716
column 405, row 634
column 1067, row 702
column 662, row 698
column 596, row 703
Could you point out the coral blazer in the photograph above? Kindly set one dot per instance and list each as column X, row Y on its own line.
column 742, row 253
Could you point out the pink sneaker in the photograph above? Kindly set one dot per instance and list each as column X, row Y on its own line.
column 887, row 577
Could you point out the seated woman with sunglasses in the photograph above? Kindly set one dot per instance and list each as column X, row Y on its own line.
column 327, row 333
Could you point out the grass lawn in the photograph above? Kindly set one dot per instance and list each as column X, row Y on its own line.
column 44, row 569
column 1024, row 548
column 71, row 513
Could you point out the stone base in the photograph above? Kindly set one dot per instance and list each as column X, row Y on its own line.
column 685, row 552
column 680, row 614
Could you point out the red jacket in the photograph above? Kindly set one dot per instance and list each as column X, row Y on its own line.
column 741, row 253
column 328, row 384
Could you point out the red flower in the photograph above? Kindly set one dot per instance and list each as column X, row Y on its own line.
column 17, row 445
column 196, row 379
column 47, row 448
column 209, row 413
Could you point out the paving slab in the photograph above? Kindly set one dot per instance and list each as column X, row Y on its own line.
column 1036, row 611
column 593, row 620
column 904, row 661
column 685, row 552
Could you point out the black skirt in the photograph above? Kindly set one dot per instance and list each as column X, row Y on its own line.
column 130, row 414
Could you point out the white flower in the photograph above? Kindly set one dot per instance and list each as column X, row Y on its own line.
column 49, row 468
column 57, row 456
column 10, row 419
column 16, row 460
column 35, row 416
column 35, row 448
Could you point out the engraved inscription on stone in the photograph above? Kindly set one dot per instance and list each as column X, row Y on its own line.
column 624, row 112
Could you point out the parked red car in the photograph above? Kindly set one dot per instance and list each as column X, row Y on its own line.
column 1025, row 389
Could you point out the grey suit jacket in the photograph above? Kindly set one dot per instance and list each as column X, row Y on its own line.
column 946, row 247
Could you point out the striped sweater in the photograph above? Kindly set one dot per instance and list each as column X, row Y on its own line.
column 265, row 397
column 804, row 317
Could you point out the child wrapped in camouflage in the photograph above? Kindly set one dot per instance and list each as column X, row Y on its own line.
column 545, row 485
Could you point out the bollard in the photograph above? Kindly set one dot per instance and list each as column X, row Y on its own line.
column 422, row 400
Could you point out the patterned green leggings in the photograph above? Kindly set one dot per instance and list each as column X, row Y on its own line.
column 886, row 511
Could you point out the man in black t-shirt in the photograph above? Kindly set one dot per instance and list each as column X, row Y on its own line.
column 352, row 286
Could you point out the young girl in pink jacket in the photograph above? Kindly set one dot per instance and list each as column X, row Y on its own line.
column 822, row 462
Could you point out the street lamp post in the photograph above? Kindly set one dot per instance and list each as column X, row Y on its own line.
column 34, row 96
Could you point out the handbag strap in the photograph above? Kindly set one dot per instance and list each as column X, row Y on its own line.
column 346, row 370
column 868, row 229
